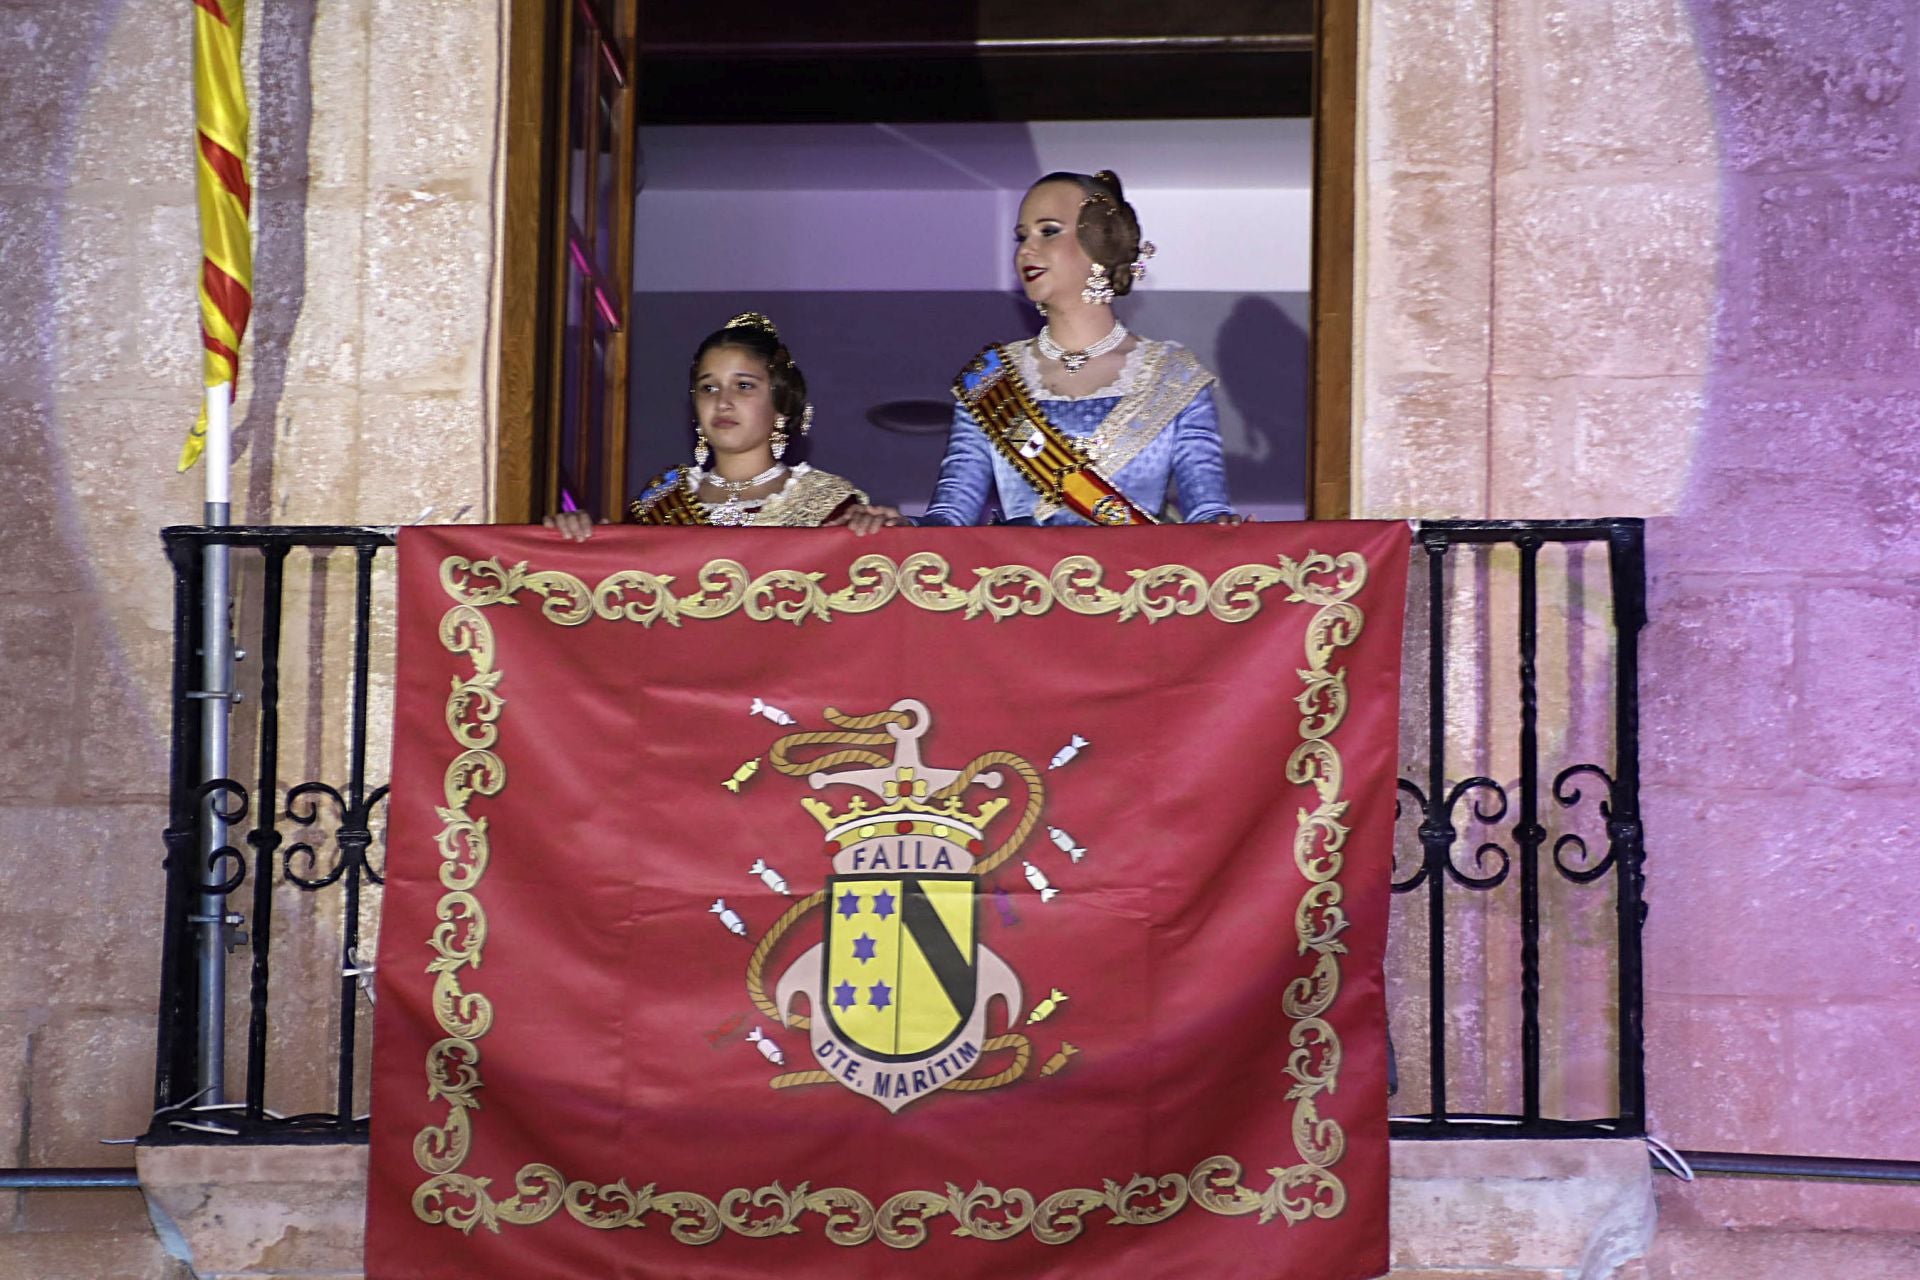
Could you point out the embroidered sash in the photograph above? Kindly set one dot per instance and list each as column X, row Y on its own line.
column 1052, row 462
column 666, row 500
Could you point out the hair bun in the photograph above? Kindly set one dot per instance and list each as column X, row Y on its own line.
column 1111, row 180
column 753, row 320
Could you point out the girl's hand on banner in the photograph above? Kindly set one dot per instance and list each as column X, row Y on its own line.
column 574, row 526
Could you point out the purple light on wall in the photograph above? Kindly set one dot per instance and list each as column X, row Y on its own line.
column 1782, row 679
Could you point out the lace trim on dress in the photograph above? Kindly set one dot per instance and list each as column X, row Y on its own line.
column 804, row 501
column 807, row 499
column 1026, row 351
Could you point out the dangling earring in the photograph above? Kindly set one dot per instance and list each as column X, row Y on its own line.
column 1098, row 291
column 1041, row 307
column 701, row 454
column 806, row 419
column 779, row 436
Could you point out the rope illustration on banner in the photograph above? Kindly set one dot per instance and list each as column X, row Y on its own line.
column 854, row 735
column 849, row 737
column 757, row 964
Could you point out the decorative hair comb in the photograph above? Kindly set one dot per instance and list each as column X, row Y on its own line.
column 1139, row 265
column 754, row 320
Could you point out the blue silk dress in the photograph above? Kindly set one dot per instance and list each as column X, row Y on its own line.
column 1157, row 438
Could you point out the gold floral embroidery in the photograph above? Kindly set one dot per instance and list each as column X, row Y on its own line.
column 923, row 579
column 807, row 500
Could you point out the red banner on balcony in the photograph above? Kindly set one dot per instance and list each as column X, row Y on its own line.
column 772, row 902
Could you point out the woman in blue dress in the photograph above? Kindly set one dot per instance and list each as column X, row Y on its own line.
column 1140, row 411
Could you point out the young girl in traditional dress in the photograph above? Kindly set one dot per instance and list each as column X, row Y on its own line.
column 751, row 419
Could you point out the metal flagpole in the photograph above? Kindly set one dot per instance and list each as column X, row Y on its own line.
column 217, row 696
column 225, row 197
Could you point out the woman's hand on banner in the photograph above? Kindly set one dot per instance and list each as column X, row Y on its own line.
column 870, row 519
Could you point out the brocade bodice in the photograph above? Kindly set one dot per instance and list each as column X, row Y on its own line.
column 808, row 499
column 1154, row 433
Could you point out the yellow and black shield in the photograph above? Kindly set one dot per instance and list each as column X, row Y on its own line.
column 899, row 977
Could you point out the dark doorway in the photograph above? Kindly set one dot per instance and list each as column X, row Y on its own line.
column 760, row 62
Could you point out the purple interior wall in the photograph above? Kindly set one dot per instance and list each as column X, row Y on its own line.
column 861, row 350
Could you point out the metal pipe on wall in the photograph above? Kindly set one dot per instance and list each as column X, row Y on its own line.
column 216, row 690
column 1798, row 1168
column 68, row 1179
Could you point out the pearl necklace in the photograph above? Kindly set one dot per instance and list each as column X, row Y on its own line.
column 733, row 511
column 1075, row 361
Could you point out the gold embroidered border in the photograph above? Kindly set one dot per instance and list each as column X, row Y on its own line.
column 448, row 1196
column 923, row 579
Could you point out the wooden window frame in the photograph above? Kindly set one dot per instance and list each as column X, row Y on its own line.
column 539, row 124
column 1336, row 169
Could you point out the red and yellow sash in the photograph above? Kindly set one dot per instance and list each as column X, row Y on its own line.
column 666, row 500
column 1052, row 462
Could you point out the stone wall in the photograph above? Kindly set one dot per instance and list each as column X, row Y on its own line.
column 1642, row 257
column 363, row 400
column 1657, row 258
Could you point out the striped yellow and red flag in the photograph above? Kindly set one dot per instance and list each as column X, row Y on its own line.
column 226, row 198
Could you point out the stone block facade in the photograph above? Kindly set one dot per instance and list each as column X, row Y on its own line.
column 1695, row 220
column 364, row 399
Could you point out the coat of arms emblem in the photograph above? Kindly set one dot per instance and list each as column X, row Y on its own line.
column 895, row 996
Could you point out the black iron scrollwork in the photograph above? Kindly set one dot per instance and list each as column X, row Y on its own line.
column 1463, row 616
column 376, row 870
column 352, row 835
column 229, row 802
column 1399, row 810
column 1487, row 847
column 335, row 827
column 1567, row 794
column 1438, row 834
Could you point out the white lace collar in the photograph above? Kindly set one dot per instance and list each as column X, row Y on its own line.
column 1026, row 352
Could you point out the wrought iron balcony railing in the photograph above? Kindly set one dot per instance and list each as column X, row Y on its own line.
column 1514, row 963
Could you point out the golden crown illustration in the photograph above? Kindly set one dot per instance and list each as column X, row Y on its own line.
column 904, row 800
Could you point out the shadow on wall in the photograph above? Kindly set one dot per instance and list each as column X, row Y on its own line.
column 1785, row 614
column 58, row 645
column 282, row 121
column 1260, row 353
column 64, row 321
